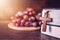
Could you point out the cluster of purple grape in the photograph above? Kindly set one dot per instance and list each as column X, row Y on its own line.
column 26, row 18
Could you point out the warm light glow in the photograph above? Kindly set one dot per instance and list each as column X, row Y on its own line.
column 1, row 2
column 5, row 9
column 3, row 5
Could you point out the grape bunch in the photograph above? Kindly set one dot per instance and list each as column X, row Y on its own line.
column 28, row 18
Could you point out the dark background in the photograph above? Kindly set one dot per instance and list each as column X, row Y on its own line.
column 52, row 3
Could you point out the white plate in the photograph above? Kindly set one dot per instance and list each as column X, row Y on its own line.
column 11, row 26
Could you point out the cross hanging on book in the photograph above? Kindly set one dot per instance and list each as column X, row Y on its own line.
column 45, row 19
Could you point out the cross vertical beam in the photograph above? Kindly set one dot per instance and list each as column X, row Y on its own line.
column 45, row 19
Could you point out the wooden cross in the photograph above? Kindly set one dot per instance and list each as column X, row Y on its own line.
column 45, row 19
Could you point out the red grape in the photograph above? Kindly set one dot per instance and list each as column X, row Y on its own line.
column 34, row 24
column 25, row 12
column 27, row 24
column 18, row 20
column 25, row 17
column 14, row 22
column 31, row 18
column 23, row 21
column 29, row 9
column 30, row 13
